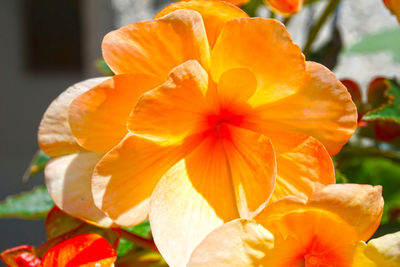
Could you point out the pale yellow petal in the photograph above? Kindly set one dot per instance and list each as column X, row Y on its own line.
column 55, row 137
column 68, row 180
column 239, row 243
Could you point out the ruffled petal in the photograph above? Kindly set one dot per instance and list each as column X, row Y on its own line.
column 174, row 110
column 68, row 180
column 303, row 232
column 322, row 108
column 252, row 165
column 125, row 177
column 98, row 117
column 215, row 14
column 237, row 243
column 303, row 166
column 267, row 51
column 55, row 136
column 359, row 205
column 155, row 47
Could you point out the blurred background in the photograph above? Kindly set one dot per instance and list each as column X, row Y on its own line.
column 48, row 45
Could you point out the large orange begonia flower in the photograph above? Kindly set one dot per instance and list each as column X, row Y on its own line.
column 239, row 107
column 394, row 7
column 327, row 230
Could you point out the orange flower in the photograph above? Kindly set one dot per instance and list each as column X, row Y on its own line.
column 285, row 7
column 83, row 250
column 69, row 173
column 326, row 230
column 394, row 7
column 205, row 145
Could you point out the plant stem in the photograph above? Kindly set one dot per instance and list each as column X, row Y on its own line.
column 143, row 242
column 315, row 29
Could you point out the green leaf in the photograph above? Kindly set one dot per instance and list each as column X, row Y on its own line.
column 37, row 164
column 142, row 229
column 385, row 41
column 252, row 6
column 28, row 205
column 376, row 171
column 389, row 111
column 124, row 247
column 103, row 68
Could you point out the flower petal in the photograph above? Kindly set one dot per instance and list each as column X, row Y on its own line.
column 236, row 86
column 382, row 251
column 307, row 233
column 192, row 199
column 351, row 201
column 301, row 229
column 303, row 166
column 98, row 117
column 84, row 250
column 155, row 47
column 236, row 243
column 125, row 177
column 68, row 180
column 267, row 50
column 215, row 14
column 322, row 108
column 252, row 166
column 55, row 137
column 362, row 260
column 175, row 109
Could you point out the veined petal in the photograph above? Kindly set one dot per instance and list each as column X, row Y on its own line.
column 379, row 252
column 215, row 14
column 174, row 110
column 55, row 137
column 239, row 243
column 155, row 47
column 267, row 50
column 359, row 205
column 192, row 199
column 98, row 117
column 252, row 166
column 303, row 165
column 236, row 86
column 68, row 180
column 83, row 250
column 302, row 231
column 125, row 177
column 322, row 108
column 307, row 237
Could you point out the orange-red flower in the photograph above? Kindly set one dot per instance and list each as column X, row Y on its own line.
column 234, row 106
column 326, row 230
column 285, row 7
column 84, row 250
column 394, row 7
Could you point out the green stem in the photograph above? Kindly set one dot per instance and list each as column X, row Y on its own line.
column 315, row 29
column 272, row 14
column 138, row 240
column 251, row 7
